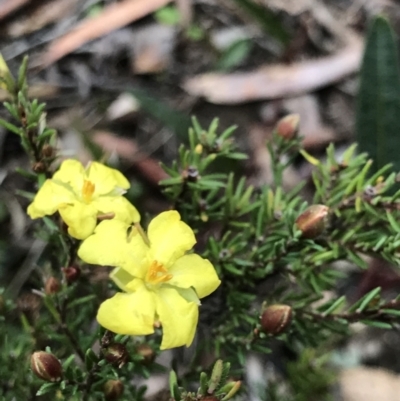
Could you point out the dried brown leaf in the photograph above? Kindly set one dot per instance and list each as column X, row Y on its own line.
column 9, row 6
column 111, row 18
column 47, row 13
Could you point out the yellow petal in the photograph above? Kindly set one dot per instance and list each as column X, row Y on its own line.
column 72, row 173
column 80, row 218
column 112, row 245
column 178, row 318
column 49, row 198
column 106, row 179
column 131, row 314
column 169, row 237
column 118, row 205
column 194, row 271
column 4, row 72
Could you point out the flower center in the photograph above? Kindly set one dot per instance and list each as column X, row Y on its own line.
column 157, row 273
column 87, row 190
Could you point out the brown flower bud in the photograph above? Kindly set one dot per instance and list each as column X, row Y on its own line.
column 48, row 150
column 52, row 286
column 46, row 366
column 71, row 273
column 39, row 167
column 113, row 389
column 288, row 126
column 116, row 354
column 147, row 353
column 276, row 318
column 312, row 221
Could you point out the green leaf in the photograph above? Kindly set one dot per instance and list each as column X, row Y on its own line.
column 80, row 301
column 393, row 312
column 90, row 359
column 173, row 386
column 269, row 22
column 378, row 108
column 392, row 220
column 368, row 299
column 22, row 72
column 175, row 120
column 234, row 55
column 46, row 388
column 168, row 15
column 379, row 325
column 216, row 376
column 10, row 127
column 203, row 384
column 336, row 305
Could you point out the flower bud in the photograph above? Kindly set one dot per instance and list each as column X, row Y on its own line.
column 46, row 366
column 113, row 389
column 52, row 286
column 116, row 354
column 198, row 149
column 71, row 273
column 312, row 221
column 288, row 126
column 276, row 318
column 191, row 174
column 48, row 150
column 147, row 353
column 39, row 167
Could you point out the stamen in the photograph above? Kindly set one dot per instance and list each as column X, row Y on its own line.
column 157, row 273
column 142, row 233
column 87, row 190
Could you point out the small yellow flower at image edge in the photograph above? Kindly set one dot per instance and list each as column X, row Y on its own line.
column 81, row 195
column 161, row 283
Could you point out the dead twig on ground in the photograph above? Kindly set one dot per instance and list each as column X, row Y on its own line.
column 277, row 81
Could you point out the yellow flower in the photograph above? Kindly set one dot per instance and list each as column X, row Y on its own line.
column 81, row 195
column 4, row 72
column 161, row 283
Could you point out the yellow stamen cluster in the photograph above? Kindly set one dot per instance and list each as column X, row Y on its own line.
column 87, row 190
column 157, row 274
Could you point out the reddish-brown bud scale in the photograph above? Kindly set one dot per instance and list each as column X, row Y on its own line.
column 71, row 273
column 147, row 353
column 288, row 126
column 52, row 286
column 275, row 319
column 48, row 151
column 311, row 222
column 46, row 366
column 116, row 354
column 39, row 167
column 113, row 390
